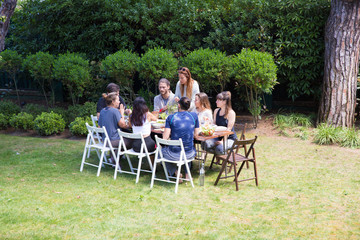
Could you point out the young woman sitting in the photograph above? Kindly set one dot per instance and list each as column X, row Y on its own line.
column 140, row 121
column 225, row 116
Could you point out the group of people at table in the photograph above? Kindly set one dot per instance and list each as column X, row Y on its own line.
column 194, row 110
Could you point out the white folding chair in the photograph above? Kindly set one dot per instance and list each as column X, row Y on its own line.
column 124, row 151
column 182, row 161
column 99, row 146
column 97, row 136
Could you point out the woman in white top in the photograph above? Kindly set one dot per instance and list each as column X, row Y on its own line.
column 203, row 109
column 186, row 87
column 140, row 121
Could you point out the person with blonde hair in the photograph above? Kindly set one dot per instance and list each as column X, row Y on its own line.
column 186, row 87
column 225, row 116
column 203, row 108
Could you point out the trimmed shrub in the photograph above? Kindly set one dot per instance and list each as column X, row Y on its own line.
column 78, row 127
column 210, row 67
column 155, row 64
column 9, row 109
column 3, row 121
column 257, row 72
column 34, row 109
column 121, row 68
column 49, row 123
column 22, row 120
column 74, row 72
column 89, row 108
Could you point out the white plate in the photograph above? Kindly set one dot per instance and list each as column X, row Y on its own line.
column 220, row 128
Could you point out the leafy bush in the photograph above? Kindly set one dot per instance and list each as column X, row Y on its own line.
column 155, row 64
column 61, row 111
column 11, row 61
column 78, row 127
column 22, row 120
column 257, row 72
column 40, row 65
column 210, row 67
column 121, row 67
column 349, row 137
column 74, row 72
column 9, row 109
column 83, row 111
column 34, row 109
column 49, row 123
column 326, row 135
column 3, row 121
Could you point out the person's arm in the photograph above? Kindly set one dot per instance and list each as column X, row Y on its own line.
column 151, row 117
column 231, row 120
column 177, row 92
column 98, row 115
column 166, row 134
column 196, row 132
column 195, row 90
column 215, row 112
column 157, row 103
column 122, row 122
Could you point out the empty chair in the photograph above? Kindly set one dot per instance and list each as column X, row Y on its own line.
column 97, row 136
column 101, row 147
column 233, row 159
column 160, row 159
column 144, row 153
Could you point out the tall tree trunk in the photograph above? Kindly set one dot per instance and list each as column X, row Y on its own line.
column 7, row 9
column 342, row 36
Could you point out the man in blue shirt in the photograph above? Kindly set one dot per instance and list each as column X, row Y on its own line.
column 184, row 125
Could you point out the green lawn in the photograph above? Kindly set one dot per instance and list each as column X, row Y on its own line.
column 305, row 191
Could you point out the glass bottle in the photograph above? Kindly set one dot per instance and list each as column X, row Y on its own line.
column 202, row 175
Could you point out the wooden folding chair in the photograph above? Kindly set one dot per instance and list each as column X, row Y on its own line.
column 242, row 137
column 160, row 159
column 233, row 158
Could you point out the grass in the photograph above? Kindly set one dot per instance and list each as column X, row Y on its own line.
column 306, row 191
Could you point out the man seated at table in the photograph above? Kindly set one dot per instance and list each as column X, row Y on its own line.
column 166, row 96
column 184, row 125
column 101, row 104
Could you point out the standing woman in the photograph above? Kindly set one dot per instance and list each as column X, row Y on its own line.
column 203, row 109
column 225, row 116
column 140, row 120
column 112, row 118
column 186, row 87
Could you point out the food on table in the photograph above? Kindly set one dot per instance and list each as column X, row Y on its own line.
column 163, row 115
column 207, row 129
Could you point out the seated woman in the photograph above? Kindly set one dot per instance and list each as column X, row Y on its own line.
column 112, row 118
column 225, row 116
column 203, row 109
column 140, row 121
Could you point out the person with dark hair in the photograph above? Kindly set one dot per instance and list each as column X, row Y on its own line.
column 184, row 125
column 165, row 98
column 111, row 87
column 111, row 118
column 225, row 116
column 140, row 121
column 186, row 87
